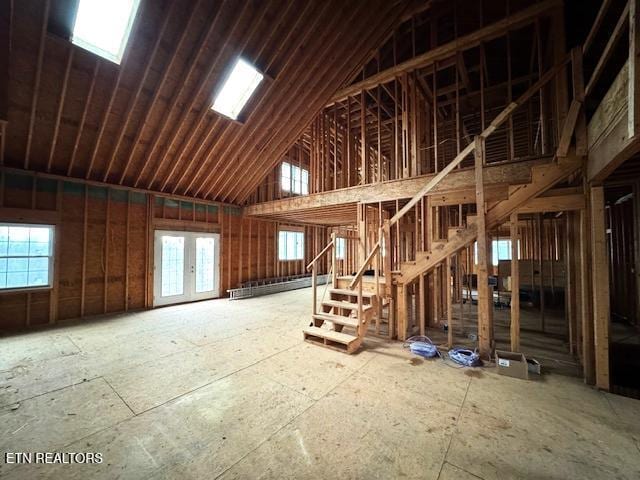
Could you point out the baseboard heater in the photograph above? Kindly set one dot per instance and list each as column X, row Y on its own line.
column 267, row 286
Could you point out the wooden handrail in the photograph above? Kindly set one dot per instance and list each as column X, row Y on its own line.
column 596, row 25
column 499, row 120
column 358, row 275
column 324, row 250
column 614, row 37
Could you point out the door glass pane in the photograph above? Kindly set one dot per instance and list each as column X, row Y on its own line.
column 172, row 266
column 204, row 264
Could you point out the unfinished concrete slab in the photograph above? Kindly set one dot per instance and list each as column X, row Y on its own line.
column 257, row 402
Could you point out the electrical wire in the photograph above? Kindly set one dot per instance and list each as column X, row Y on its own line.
column 465, row 357
column 423, row 346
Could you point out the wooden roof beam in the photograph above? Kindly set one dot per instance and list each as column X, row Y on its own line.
column 271, row 151
column 466, row 42
column 228, row 136
column 267, row 125
column 156, row 94
column 191, row 141
column 132, row 101
column 204, row 86
column 162, row 127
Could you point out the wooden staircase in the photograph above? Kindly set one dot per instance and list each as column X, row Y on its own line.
column 338, row 312
column 543, row 177
column 338, row 326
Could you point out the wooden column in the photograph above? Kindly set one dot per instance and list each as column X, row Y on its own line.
column 485, row 327
column 421, row 305
column 362, row 231
column 588, row 360
column 600, row 284
column 401, row 296
column 571, row 293
column 449, row 306
column 634, row 68
column 515, row 284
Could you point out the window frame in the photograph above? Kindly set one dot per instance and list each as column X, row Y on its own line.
column 240, row 116
column 296, row 232
column 341, row 253
column 96, row 50
column 51, row 257
column 295, row 188
column 495, row 247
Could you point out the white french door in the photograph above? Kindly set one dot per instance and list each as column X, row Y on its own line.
column 186, row 267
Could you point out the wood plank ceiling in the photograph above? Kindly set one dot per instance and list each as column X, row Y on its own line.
column 147, row 123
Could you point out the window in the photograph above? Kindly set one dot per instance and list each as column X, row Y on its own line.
column 290, row 245
column 26, row 255
column 237, row 89
column 341, row 250
column 500, row 250
column 294, row 179
column 104, row 27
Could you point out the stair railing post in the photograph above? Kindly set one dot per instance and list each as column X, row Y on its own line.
column 314, row 284
column 379, row 264
column 386, row 256
column 360, row 313
column 334, row 272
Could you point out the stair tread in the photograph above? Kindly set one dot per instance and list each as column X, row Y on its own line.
column 339, row 319
column 354, row 293
column 345, row 305
column 332, row 335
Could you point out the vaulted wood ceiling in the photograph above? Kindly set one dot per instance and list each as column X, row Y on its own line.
column 147, row 123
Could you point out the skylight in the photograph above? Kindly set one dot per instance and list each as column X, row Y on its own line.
column 237, row 89
column 103, row 27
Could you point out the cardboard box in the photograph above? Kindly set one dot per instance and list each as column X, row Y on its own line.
column 534, row 366
column 512, row 364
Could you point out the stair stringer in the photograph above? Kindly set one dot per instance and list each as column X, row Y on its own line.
column 543, row 177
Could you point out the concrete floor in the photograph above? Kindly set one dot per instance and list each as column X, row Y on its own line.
column 228, row 389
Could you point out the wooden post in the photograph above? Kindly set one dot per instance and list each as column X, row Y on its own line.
column 600, row 284
column 588, row 360
column 360, row 306
column 401, row 296
column 485, row 303
column 314, row 286
column 449, row 307
column 539, row 225
column 421, row 309
column 334, row 262
column 362, row 229
column 387, row 256
column 634, row 68
column 515, row 284
column 378, row 261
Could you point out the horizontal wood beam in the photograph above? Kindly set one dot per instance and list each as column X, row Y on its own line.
column 442, row 52
column 554, row 203
column 27, row 215
column 96, row 183
column 457, row 184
